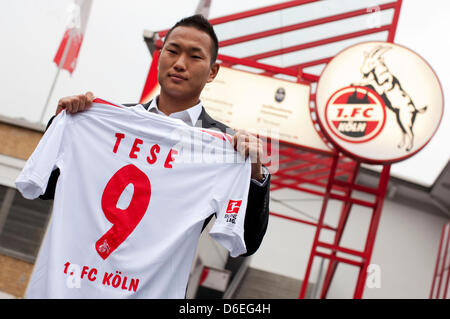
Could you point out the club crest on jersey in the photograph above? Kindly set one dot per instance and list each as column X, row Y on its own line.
column 355, row 114
column 103, row 248
column 232, row 210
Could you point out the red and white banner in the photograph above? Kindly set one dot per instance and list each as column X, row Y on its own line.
column 67, row 54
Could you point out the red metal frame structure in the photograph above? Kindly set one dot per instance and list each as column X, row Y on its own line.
column 327, row 174
column 442, row 267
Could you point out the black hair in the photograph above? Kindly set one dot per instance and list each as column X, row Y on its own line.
column 200, row 23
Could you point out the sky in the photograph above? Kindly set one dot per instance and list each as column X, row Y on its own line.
column 114, row 59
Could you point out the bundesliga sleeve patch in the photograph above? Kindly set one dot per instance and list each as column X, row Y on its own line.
column 232, row 210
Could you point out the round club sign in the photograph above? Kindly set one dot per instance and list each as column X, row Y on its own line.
column 378, row 102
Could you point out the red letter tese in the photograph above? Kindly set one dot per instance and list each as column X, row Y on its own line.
column 155, row 149
column 135, row 148
column 119, row 137
column 170, row 159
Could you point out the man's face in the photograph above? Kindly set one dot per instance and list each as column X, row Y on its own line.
column 185, row 63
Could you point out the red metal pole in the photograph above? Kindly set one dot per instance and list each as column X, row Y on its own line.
column 339, row 259
column 326, row 197
column 448, row 266
column 256, row 65
column 444, row 228
column 301, row 221
column 310, row 63
column 301, row 25
column 370, row 241
column 444, row 259
column 340, row 229
column 312, row 44
column 393, row 28
column 259, row 11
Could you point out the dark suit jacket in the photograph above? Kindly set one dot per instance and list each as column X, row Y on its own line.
column 257, row 213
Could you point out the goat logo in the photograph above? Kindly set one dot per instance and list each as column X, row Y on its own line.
column 378, row 102
column 378, row 77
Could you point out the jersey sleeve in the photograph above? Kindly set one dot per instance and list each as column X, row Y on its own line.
column 33, row 179
column 230, row 203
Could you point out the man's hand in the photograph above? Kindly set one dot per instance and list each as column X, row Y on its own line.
column 76, row 103
column 249, row 145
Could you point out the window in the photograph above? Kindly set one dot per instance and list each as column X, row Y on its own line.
column 23, row 224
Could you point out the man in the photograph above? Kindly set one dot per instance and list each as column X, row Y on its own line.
column 187, row 62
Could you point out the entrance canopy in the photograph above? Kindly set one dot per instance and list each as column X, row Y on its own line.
column 298, row 37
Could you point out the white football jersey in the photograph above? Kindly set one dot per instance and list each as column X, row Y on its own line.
column 131, row 199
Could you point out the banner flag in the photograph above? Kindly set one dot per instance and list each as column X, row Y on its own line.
column 67, row 53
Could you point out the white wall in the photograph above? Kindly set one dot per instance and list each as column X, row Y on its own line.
column 406, row 246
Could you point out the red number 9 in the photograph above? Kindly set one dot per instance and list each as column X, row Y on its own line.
column 124, row 220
